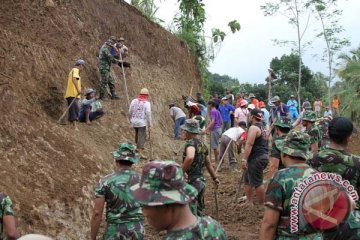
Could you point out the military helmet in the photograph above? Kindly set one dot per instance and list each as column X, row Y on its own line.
column 126, row 152
column 162, row 183
column 309, row 116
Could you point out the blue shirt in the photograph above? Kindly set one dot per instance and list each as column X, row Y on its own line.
column 293, row 105
column 266, row 115
column 281, row 111
column 225, row 111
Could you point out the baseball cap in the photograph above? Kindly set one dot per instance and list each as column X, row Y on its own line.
column 162, row 183
column 257, row 113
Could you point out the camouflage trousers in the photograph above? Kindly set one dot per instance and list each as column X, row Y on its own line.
column 106, row 79
column 197, row 206
column 125, row 231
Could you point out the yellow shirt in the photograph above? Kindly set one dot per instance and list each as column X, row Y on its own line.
column 71, row 89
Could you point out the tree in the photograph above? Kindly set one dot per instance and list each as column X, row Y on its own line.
column 314, row 85
column 328, row 15
column 294, row 11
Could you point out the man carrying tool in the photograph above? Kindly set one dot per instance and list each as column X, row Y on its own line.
column 214, row 127
column 195, row 158
column 105, row 61
column 73, row 92
column 235, row 135
column 123, row 52
column 255, row 159
column 7, row 218
column 124, row 217
column 178, row 116
column 140, row 119
column 165, row 197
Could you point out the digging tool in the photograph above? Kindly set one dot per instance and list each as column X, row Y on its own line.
column 216, row 188
column 223, row 156
column 63, row 115
column 241, row 179
column 151, row 148
column 123, row 73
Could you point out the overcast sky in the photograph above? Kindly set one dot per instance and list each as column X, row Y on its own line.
column 246, row 55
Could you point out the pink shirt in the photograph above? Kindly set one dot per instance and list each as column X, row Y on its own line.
column 241, row 114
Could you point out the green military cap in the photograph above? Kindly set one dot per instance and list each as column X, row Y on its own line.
column 309, row 116
column 192, row 126
column 126, row 152
column 295, row 144
column 162, row 183
column 283, row 123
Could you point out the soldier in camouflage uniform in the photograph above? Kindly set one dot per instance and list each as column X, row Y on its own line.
column 123, row 214
column 308, row 121
column 165, row 196
column 276, row 222
column 282, row 128
column 336, row 159
column 105, row 61
column 322, row 124
column 7, row 218
column 195, row 158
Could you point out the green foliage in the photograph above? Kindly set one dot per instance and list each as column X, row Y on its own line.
column 148, row 8
column 218, row 83
column 217, row 35
column 286, row 70
column 234, row 26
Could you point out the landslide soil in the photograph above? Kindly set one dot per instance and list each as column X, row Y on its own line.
column 48, row 169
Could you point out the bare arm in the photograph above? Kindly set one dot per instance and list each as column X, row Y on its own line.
column 10, row 227
column 269, row 224
column 314, row 147
column 97, row 217
column 212, row 122
column 274, row 166
column 190, row 154
column 251, row 136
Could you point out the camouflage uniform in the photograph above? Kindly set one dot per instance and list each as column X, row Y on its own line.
column 6, row 209
column 314, row 131
column 106, row 59
column 205, row 228
column 123, row 214
column 275, row 152
column 348, row 167
column 322, row 124
column 162, row 183
column 281, row 186
column 196, row 170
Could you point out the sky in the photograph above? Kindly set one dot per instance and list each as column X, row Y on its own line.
column 246, row 55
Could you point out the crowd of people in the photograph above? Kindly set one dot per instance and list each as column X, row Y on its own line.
column 297, row 148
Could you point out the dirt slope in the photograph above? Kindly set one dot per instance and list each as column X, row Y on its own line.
column 47, row 169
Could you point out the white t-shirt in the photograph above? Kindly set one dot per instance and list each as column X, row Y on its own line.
column 241, row 114
column 140, row 113
column 234, row 133
column 176, row 113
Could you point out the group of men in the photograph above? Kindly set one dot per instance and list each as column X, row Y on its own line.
column 113, row 51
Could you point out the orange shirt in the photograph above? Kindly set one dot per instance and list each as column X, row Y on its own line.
column 335, row 103
column 255, row 102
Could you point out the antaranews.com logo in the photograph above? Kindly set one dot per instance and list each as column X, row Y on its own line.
column 322, row 200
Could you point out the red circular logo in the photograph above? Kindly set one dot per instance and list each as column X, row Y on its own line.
column 325, row 205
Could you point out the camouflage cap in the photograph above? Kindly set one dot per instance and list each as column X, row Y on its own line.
column 295, row 144
column 309, row 116
column 112, row 38
column 283, row 123
column 192, row 126
column 126, row 152
column 161, row 183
